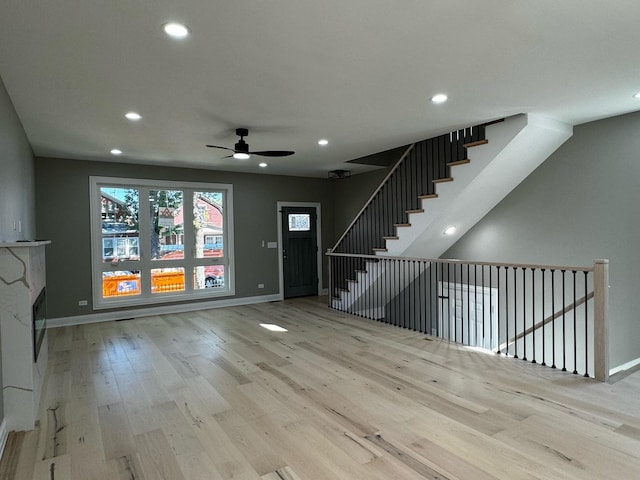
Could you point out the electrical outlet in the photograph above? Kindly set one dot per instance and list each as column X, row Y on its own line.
column 261, row 285
column 83, row 303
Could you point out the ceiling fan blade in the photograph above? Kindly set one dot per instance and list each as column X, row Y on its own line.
column 273, row 153
column 224, row 148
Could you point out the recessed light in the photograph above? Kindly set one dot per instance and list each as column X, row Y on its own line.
column 273, row 327
column 637, row 95
column 134, row 116
column 450, row 230
column 176, row 30
column 439, row 98
column 241, row 156
column 116, row 151
column 262, row 165
column 323, row 142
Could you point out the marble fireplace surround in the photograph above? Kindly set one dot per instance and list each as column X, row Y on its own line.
column 22, row 278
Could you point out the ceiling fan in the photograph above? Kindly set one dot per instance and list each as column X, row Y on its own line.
column 241, row 148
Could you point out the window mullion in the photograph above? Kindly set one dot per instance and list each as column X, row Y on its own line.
column 189, row 239
column 144, row 220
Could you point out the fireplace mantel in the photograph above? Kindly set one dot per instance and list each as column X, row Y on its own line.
column 22, row 278
column 25, row 244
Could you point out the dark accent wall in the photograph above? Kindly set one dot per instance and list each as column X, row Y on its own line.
column 580, row 205
column 62, row 204
column 350, row 195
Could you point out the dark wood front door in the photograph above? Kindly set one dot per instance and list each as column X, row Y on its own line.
column 299, row 251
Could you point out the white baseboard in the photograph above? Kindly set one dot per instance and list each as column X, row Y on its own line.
column 624, row 366
column 4, row 434
column 161, row 310
column 324, row 291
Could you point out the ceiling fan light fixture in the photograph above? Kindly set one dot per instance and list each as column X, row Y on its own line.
column 241, row 149
column 176, row 30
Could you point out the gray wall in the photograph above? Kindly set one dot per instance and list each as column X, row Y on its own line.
column 16, row 175
column 16, row 182
column 581, row 204
column 62, row 202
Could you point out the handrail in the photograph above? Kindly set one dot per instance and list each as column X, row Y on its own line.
column 458, row 261
column 373, row 195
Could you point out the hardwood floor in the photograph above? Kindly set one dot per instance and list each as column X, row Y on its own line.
column 212, row 395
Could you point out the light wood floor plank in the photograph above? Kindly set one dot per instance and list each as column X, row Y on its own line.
column 156, row 458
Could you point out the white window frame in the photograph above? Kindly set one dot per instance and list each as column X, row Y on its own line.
column 146, row 264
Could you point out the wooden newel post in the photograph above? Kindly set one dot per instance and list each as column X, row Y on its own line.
column 601, row 320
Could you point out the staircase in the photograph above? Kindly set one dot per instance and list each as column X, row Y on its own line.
column 437, row 184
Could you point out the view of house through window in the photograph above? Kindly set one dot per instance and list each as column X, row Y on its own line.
column 159, row 241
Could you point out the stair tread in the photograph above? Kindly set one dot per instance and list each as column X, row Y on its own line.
column 379, row 249
column 425, row 197
column 416, row 210
column 475, row 144
column 443, row 180
column 391, row 237
column 459, row 162
column 402, row 225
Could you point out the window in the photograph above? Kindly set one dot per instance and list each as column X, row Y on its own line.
column 158, row 241
column 299, row 222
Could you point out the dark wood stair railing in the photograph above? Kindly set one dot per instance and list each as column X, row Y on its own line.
column 411, row 180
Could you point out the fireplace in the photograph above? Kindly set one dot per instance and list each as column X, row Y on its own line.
column 39, row 322
column 23, row 321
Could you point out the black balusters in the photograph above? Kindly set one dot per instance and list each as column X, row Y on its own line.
column 564, row 339
column 484, row 310
column 586, row 325
column 491, row 308
column 553, row 320
column 544, row 339
column 575, row 331
column 405, row 293
column 515, row 311
column 475, row 299
column 455, row 306
column 533, row 313
column 468, row 303
column 524, row 313
column 506, row 303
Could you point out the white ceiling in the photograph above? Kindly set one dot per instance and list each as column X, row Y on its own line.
column 358, row 72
